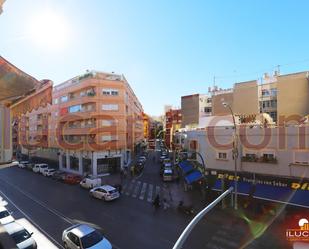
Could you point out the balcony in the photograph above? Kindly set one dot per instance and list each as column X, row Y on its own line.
column 259, row 159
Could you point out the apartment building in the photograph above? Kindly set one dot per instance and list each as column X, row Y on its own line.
column 275, row 160
column 5, row 134
column 1, row 4
column 194, row 107
column 94, row 124
column 285, row 96
column 173, row 121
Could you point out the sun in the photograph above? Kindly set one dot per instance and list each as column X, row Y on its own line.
column 49, row 30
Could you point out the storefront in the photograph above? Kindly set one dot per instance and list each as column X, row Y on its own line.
column 264, row 187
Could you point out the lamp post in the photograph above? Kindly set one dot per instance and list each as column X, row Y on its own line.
column 235, row 153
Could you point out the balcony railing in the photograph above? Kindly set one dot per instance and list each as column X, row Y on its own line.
column 259, row 159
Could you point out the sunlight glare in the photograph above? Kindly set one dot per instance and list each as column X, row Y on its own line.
column 49, row 30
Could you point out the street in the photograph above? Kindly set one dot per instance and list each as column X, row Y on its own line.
column 130, row 221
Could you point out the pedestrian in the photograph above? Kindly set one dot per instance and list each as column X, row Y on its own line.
column 156, row 202
column 132, row 170
column 121, row 174
column 165, row 204
column 120, row 188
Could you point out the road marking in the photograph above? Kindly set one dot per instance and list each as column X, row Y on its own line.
column 130, row 188
column 43, row 231
column 136, row 189
column 63, row 217
column 150, row 189
column 142, row 195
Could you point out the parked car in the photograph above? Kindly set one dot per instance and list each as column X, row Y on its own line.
column 29, row 166
column 142, row 158
column 105, row 192
column 72, row 179
column 5, row 216
column 20, row 235
column 48, row 172
column 81, row 236
column 58, row 175
column 89, row 182
column 22, row 164
column 162, row 158
column 40, row 167
column 168, row 175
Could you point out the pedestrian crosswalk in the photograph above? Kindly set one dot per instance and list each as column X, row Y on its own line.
column 141, row 190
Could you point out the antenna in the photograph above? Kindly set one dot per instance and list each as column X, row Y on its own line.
column 278, row 68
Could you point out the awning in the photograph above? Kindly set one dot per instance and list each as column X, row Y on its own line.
column 193, row 177
column 185, row 166
column 271, row 193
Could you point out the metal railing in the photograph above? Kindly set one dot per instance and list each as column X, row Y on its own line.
column 181, row 240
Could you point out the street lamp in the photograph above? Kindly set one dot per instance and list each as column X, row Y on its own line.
column 235, row 153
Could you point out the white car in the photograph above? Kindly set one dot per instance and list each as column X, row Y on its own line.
column 105, row 192
column 39, row 167
column 22, row 164
column 90, row 183
column 81, row 236
column 48, row 172
column 5, row 216
column 20, row 235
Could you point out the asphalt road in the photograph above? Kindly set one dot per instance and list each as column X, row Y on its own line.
column 129, row 222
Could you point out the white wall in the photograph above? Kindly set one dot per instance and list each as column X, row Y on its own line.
column 285, row 155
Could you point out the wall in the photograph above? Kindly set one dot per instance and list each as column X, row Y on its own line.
column 217, row 108
column 246, row 92
column 285, row 147
column 293, row 94
column 5, row 135
column 190, row 109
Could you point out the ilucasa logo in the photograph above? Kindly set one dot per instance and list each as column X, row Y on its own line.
column 299, row 234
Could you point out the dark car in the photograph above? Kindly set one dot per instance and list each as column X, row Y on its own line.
column 59, row 175
column 29, row 166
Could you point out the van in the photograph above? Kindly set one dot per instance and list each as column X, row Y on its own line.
column 89, row 182
column 40, row 167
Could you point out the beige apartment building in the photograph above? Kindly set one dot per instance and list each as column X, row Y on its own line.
column 93, row 126
column 277, row 95
column 194, row 107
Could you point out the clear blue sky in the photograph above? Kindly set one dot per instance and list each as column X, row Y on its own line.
column 165, row 49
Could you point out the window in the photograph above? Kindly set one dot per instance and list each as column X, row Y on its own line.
column 74, row 239
column 91, row 239
column 269, row 156
column 108, row 122
column 56, row 101
column 207, row 109
column 222, row 155
column 110, row 107
column 75, row 108
column 265, row 92
column 113, row 92
column 301, row 157
column 273, row 91
column 273, row 115
column 273, row 103
column 209, row 100
column 64, row 99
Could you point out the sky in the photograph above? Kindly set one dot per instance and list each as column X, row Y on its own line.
column 165, row 49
